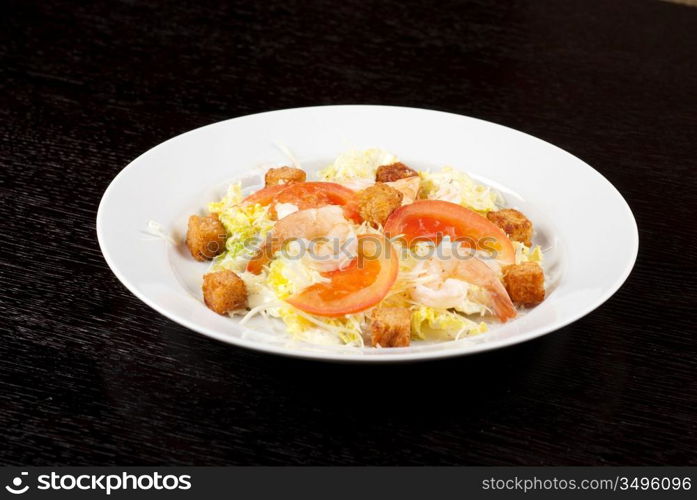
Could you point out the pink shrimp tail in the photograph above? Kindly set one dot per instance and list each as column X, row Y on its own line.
column 501, row 303
column 477, row 272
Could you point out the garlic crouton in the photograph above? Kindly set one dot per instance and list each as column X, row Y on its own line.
column 514, row 224
column 394, row 172
column 390, row 327
column 205, row 237
column 284, row 175
column 525, row 283
column 224, row 292
column 377, row 202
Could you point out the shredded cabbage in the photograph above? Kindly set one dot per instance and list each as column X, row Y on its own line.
column 428, row 322
column 259, row 293
column 525, row 254
column 157, row 230
column 247, row 226
column 289, row 276
column 474, row 303
column 295, row 324
column 232, row 197
column 304, row 327
column 457, row 187
column 355, row 165
column 284, row 277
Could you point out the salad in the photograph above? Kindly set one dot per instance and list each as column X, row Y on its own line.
column 372, row 252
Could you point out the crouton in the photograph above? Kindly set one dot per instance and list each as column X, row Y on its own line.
column 224, row 292
column 394, row 172
column 390, row 327
column 525, row 283
column 377, row 202
column 514, row 224
column 205, row 237
column 284, row 175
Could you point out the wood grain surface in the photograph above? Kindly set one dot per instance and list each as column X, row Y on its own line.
column 90, row 375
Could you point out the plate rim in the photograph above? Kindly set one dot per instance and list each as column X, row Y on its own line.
column 351, row 357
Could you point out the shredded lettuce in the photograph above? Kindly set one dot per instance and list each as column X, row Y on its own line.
column 428, row 322
column 284, row 277
column 289, row 276
column 308, row 328
column 295, row 324
column 231, row 198
column 525, row 254
column 247, row 226
column 354, row 165
column 474, row 303
column 457, row 187
column 259, row 293
column 230, row 262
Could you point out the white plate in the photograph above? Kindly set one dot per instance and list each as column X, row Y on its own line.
column 585, row 227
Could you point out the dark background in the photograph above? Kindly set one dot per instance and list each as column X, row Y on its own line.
column 90, row 375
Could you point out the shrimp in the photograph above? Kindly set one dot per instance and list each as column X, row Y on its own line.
column 449, row 285
column 327, row 236
column 441, row 294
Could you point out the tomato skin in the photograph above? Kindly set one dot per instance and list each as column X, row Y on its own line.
column 361, row 285
column 264, row 196
column 303, row 194
column 431, row 220
column 351, row 210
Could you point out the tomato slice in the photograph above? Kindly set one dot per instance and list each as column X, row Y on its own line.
column 303, row 194
column 431, row 220
column 265, row 195
column 361, row 285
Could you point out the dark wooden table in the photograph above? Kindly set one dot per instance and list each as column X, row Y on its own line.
column 90, row 375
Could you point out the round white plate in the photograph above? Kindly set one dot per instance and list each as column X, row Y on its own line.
column 583, row 224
